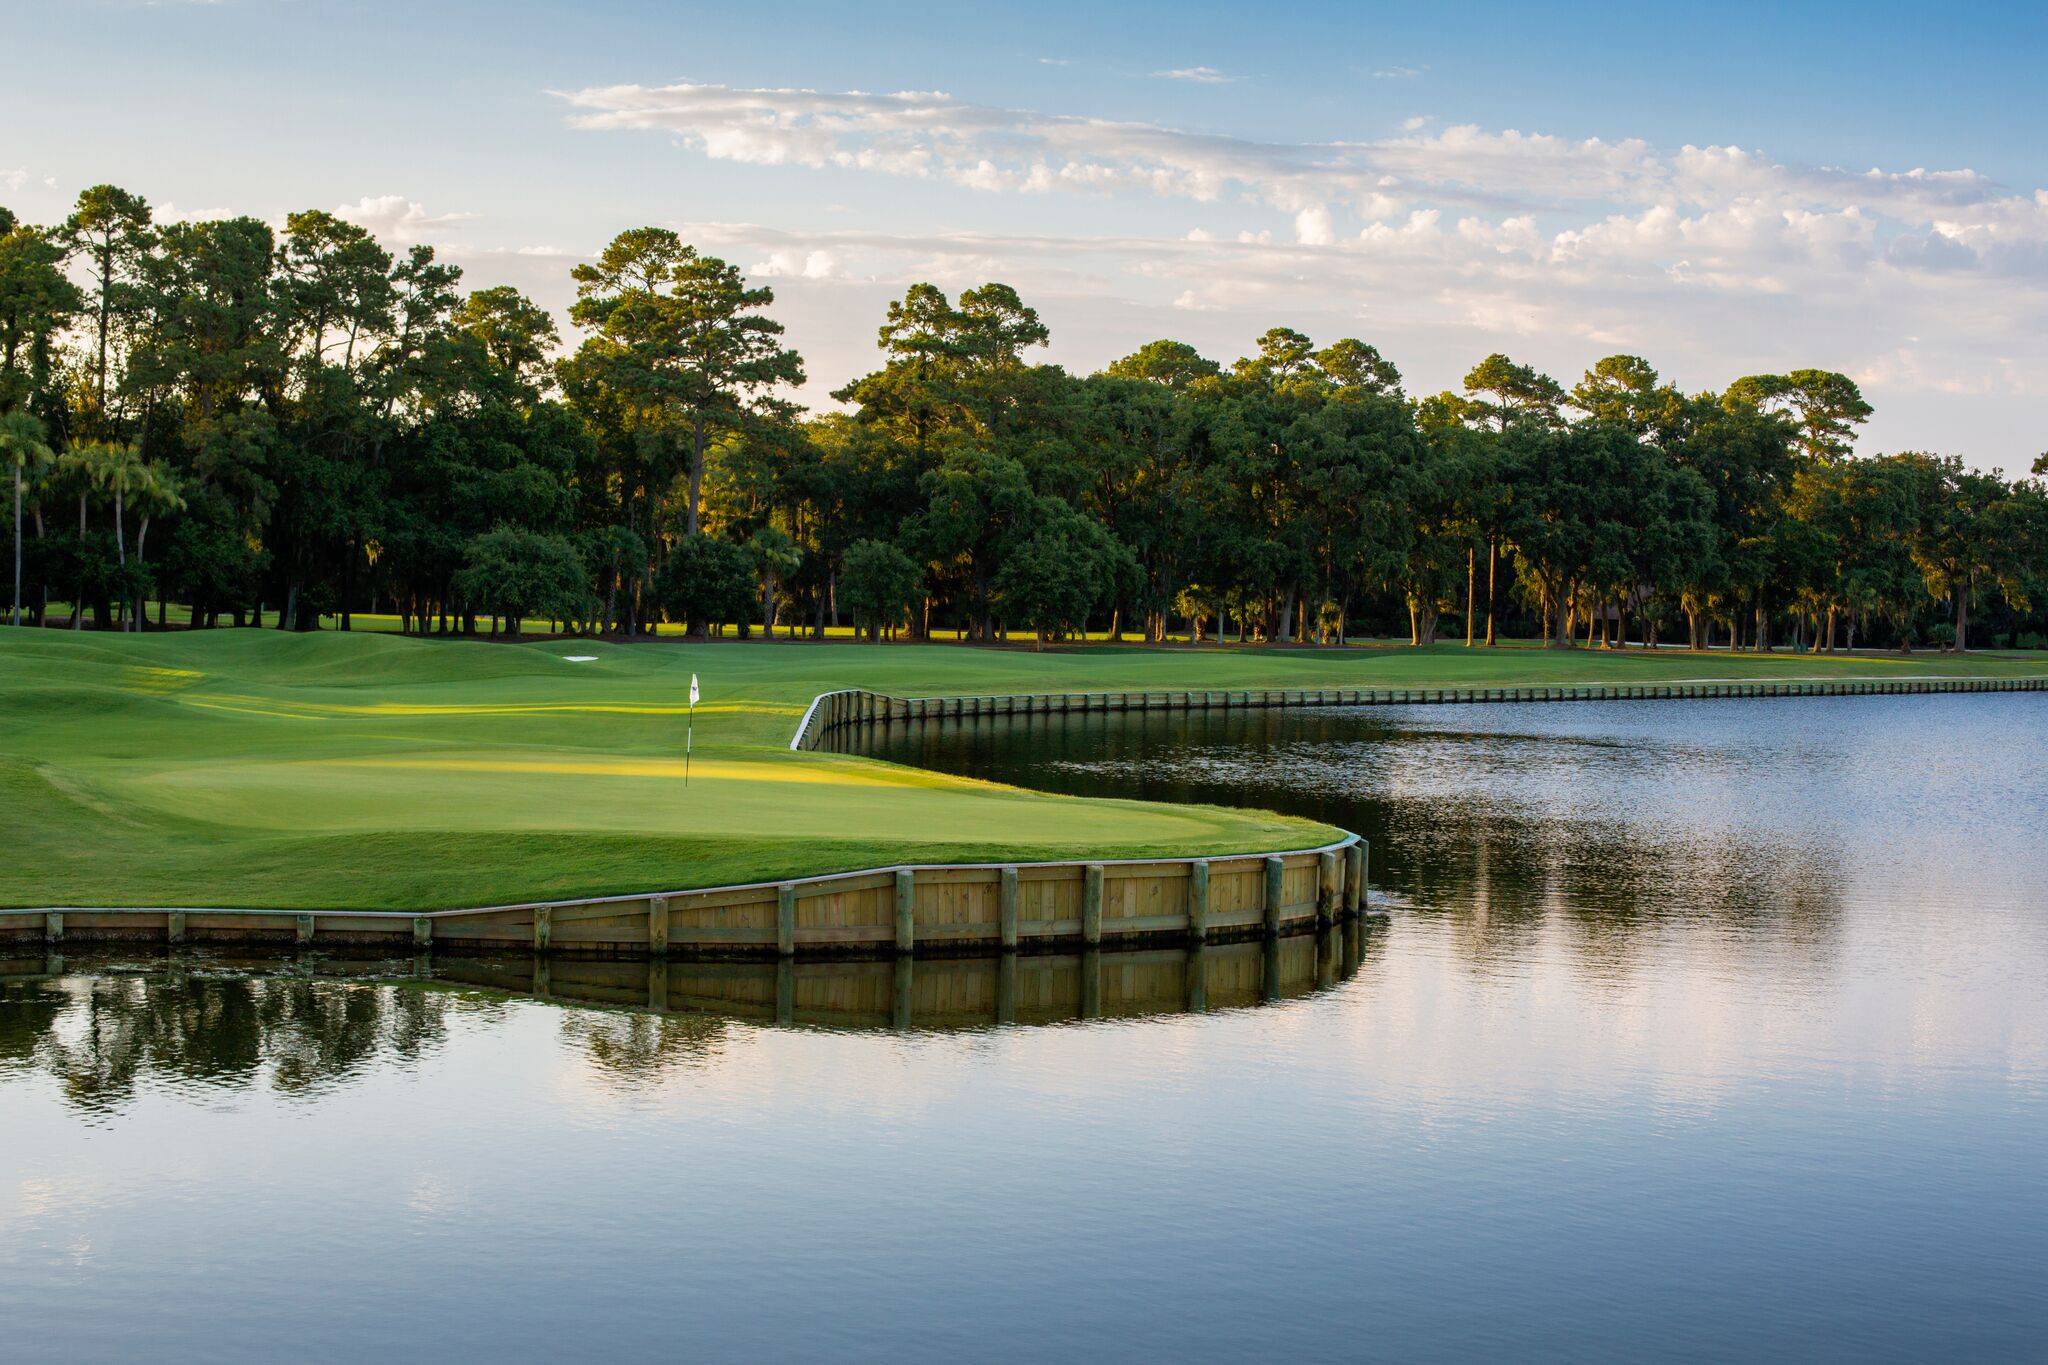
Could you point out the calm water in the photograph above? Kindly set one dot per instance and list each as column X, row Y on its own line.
column 1697, row 1032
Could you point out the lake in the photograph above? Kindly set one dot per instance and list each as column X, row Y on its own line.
column 1694, row 1031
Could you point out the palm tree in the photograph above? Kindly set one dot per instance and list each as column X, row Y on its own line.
column 158, row 491
column 21, row 445
column 114, row 467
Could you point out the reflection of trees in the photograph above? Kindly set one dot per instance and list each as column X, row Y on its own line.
column 103, row 1036
column 639, row 1049
column 635, row 1022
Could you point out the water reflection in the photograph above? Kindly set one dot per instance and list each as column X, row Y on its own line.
column 1602, row 819
column 107, row 1027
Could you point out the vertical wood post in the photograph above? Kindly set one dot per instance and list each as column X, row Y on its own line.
column 1354, row 878
column 657, row 925
column 1275, row 869
column 175, row 929
column 1006, row 914
column 304, row 929
column 422, row 932
column 906, row 904
column 543, row 928
column 1198, row 900
column 785, row 920
column 1326, row 886
column 899, row 994
column 785, row 990
column 53, row 927
column 1006, row 989
column 1091, row 906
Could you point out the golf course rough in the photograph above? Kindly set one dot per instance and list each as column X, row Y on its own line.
column 254, row 768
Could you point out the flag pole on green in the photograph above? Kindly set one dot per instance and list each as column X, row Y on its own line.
column 690, row 731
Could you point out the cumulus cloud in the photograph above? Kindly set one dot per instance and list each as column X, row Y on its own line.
column 1199, row 75
column 1720, row 260
column 399, row 219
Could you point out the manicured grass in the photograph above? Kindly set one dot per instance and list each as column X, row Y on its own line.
column 243, row 767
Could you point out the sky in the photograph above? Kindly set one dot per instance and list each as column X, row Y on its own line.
column 1724, row 189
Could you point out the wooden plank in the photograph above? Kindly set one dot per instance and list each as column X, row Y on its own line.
column 1091, row 905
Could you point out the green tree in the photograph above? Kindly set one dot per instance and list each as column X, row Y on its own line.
column 679, row 335
column 776, row 557
column 519, row 574
column 707, row 582
column 109, row 228
column 879, row 584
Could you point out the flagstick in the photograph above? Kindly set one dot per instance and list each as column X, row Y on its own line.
column 689, row 741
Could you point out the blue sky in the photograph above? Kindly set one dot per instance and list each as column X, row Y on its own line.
column 1722, row 189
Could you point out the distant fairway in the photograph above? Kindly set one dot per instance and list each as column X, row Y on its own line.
column 245, row 767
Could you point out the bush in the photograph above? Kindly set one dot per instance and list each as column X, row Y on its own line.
column 879, row 583
column 706, row 582
column 2032, row 639
column 517, row 574
column 1943, row 634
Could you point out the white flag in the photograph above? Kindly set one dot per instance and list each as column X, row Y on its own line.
column 693, row 689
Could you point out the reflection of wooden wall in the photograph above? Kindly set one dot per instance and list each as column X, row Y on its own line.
column 939, row 993
column 947, row 908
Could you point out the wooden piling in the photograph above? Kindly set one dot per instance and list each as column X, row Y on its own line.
column 53, row 927
column 1326, row 886
column 785, row 920
column 1275, row 870
column 422, row 932
column 1006, row 921
column 906, row 905
column 657, row 925
column 543, row 928
column 1091, row 906
column 303, row 929
column 1198, row 900
column 174, row 928
column 1354, row 878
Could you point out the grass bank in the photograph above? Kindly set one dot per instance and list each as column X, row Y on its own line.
column 253, row 768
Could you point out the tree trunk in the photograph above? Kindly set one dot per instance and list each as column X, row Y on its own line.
column 15, row 618
column 1492, row 565
column 696, row 470
column 1963, row 618
column 1284, row 631
column 1471, row 587
column 78, row 598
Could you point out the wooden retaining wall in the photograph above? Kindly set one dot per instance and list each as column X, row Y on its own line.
column 901, row 910
column 833, row 714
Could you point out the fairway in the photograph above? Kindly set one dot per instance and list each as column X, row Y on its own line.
column 259, row 768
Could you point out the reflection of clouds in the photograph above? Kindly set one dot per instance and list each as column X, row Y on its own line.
column 1630, row 897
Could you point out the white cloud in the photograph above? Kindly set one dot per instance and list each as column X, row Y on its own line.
column 399, row 219
column 1199, row 75
column 1398, row 73
column 1312, row 226
column 1715, row 261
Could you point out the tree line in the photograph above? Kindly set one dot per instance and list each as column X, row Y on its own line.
column 276, row 426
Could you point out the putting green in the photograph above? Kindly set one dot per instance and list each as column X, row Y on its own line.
column 254, row 768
